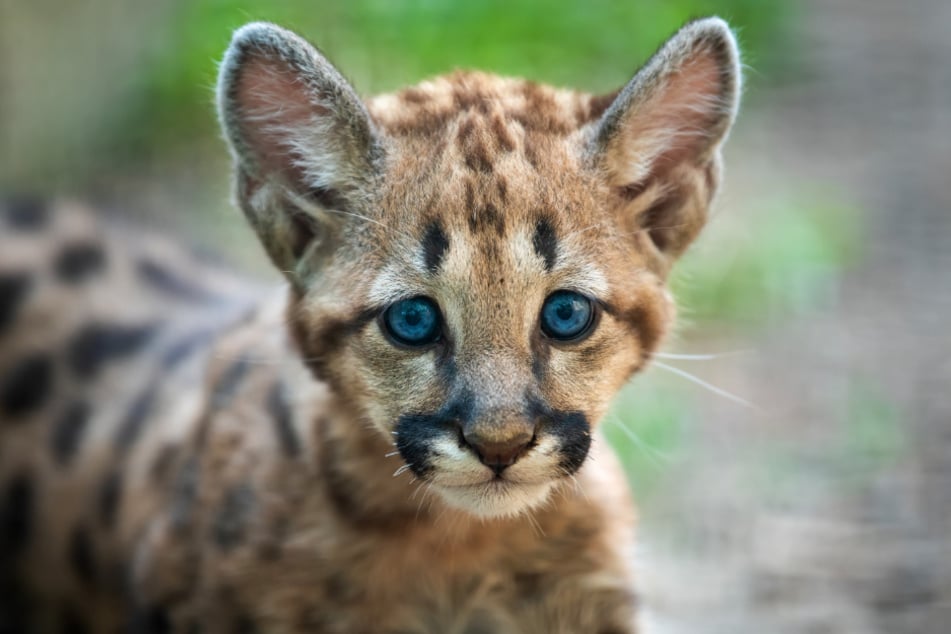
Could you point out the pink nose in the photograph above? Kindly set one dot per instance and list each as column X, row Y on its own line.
column 499, row 455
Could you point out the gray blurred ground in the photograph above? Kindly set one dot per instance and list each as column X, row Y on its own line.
column 832, row 539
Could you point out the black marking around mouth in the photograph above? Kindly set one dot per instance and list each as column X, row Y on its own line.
column 571, row 428
column 416, row 432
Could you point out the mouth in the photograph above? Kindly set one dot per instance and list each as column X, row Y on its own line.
column 495, row 497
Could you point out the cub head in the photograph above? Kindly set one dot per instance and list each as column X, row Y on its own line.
column 478, row 263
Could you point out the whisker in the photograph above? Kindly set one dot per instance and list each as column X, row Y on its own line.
column 656, row 456
column 401, row 470
column 699, row 357
column 704, row 384
column 391, row 454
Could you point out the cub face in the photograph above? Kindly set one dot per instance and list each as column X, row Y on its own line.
column 478, row 263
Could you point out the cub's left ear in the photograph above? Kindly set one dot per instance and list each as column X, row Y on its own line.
column 658, row 142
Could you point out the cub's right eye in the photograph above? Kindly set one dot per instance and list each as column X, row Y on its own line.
column 413, row 322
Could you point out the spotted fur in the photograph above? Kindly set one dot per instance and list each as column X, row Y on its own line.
column 180, row 453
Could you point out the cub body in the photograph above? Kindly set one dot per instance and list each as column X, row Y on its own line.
column 404, row 441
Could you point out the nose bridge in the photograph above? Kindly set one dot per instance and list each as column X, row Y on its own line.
column 498, row 383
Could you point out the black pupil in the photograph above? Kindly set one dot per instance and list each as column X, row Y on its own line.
column 565, row 309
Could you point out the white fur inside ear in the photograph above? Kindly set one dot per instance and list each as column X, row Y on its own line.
column 678, row 108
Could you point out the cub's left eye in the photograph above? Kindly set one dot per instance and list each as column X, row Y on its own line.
column 413, row 322
column 567, row 316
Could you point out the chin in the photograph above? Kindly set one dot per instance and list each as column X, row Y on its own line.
column 496, row 498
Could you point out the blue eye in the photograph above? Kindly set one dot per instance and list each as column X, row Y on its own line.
column 413, row 322
column 566, row 315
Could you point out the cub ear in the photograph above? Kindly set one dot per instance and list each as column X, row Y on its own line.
column 301, row 138
column 658, row 142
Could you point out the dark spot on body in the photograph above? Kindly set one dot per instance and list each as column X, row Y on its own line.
column 110, row 490
column 170, row 283
column 150, row 619
column 14, row 289
column 17, row 514
column 435, row 245
column 162, row 464
column 230, row 524
column 81, row 556
column 545, row 242
column 184, row 494
column 184, row 347
column 131, row 425
column 283, row 419
column 97, row 344
column 27, row 386
column 27, row 213
column 68, row 432
column 78, row 262
column 226, row 387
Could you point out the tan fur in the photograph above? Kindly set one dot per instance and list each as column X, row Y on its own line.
column 293, row 468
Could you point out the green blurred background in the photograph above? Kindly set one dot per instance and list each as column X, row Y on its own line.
column 811, row 494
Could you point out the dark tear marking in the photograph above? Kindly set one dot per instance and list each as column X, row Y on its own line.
column 97, row 344
column 27, row 213
column 435, row 245
column 283, row 419
column 13, row 291
column 27, row 387
column 571, row 428
column 77, row 262
column 16, row 514
column 230, row 523
column 546, row 243
column 109, row 493
column 68, row 432
column 131, row 426
column 416, row 432
column 81, row 556
column 170, row 283
column 317, row 345
column 541, row 354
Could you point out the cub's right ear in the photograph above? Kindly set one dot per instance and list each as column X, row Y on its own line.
column 302, row 141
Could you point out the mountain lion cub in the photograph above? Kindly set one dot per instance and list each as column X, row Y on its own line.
column 406, row 441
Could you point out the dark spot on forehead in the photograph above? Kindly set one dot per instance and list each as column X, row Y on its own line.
column 161, row 278
column 16, row 513
column 132, row 423
column 97, row 344
column 13, row 291
column 435, row 245
column 27, row 213
column 79, row 261
column 81, row 555
column 230, row 524
column 502, row 186
column 279, row 409
column 502, row 134
column 487, row 218
column 477, row 157
column 546, row 243
column 68, row 432
column 110, row 490
column 27, row 386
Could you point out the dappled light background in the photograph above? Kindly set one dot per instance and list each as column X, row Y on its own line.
column 791, row 450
